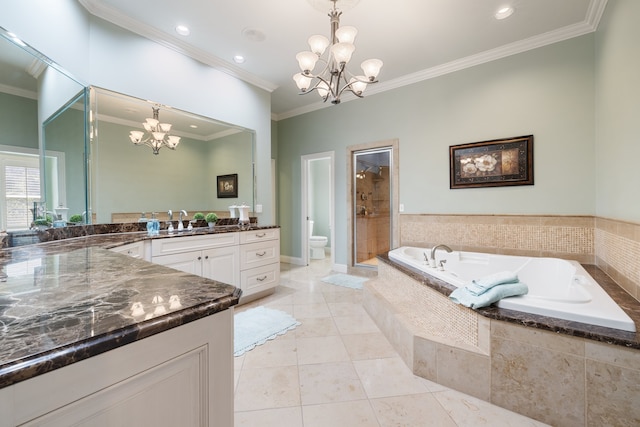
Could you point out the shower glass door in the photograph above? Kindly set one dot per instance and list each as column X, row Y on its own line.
column 372, row 204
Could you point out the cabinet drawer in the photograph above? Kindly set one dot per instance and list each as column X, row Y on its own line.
column 259, row 278
column 177, row 244
column 259, row 235
column 258, row 254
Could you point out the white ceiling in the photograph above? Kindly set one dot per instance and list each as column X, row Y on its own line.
column 416, row 39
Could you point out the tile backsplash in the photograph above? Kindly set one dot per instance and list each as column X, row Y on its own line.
column 614, row 246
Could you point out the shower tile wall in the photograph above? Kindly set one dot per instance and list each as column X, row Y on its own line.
column 373, row 217
column 612, row 245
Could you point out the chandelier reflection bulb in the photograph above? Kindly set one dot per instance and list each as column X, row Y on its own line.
column 157, row 134
column 334, row 78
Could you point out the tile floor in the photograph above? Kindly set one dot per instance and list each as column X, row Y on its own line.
column 337, row 369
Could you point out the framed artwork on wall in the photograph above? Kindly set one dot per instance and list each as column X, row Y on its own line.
column 495, row 163
column 227, row 186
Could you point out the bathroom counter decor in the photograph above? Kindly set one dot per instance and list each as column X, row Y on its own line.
column 79, row 320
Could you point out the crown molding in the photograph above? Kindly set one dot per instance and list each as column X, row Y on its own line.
column 97, row 9
column 589, row 25
column 23, row 93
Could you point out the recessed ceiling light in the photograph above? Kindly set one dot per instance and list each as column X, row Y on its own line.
column 183, row 30
column 193, row 126
column 238, row 59
column 504, row 12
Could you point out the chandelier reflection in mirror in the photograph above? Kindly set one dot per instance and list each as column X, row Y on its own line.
column 334, row 78
column 157, row 134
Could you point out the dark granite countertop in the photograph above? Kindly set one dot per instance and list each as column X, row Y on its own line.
column 577, row 329
column 67, row 300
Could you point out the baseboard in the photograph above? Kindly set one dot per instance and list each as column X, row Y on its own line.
column 291, row 260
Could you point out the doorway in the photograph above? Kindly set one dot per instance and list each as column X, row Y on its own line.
column 373, row 201
column 318, row 216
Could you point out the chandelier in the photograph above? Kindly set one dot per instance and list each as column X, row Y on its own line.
column 158, row 134
column 334, row 78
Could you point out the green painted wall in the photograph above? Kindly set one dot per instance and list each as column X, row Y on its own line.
column 229, row 155
column 131, row 178
column 547, row 92
column 65, row 133
column 617, row 86
column 18, row 121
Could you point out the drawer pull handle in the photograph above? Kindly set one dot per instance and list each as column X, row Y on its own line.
column 261, row 279
column 260, row 235
column 263, row 253
column 199, row 258
column 206, row 257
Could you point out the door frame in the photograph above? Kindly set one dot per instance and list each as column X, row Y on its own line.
column 394, row 174
column 304, row 229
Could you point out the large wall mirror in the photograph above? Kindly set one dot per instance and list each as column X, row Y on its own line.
column 66, row 148
column 38, row 102
column 128, row 179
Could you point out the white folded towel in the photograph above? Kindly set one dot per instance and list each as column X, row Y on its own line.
column 480, row 286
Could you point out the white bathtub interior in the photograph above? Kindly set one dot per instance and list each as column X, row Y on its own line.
column 557, row 288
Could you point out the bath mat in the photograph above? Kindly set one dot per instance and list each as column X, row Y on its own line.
column 345, row 280
column 257, row 325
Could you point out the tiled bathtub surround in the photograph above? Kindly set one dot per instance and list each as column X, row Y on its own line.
column 618, row 253
column 554, row 374
column 612, row 245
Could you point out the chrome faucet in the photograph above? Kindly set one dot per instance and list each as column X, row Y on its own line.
column 180, row 224
column 432, row 260
column 170, row 213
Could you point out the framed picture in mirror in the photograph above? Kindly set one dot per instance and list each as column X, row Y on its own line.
column 227, row 186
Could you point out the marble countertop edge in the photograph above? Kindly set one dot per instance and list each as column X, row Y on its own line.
column 38, row 364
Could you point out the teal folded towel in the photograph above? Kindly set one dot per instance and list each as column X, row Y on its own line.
column 496, row 293
column 480, row 286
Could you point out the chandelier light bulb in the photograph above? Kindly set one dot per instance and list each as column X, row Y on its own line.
column 342, row 52
column 152, row 122
column 318, row 44
column 323, row 90
column 173, row 141
column 346, row 34
column 303, row 82
column 306, row 61
column 371, row 68
column 358, row 84
column 136, row 136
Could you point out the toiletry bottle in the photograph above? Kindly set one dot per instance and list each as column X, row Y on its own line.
column 150, row 227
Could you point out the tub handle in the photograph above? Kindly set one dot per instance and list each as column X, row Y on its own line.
column 441, row 265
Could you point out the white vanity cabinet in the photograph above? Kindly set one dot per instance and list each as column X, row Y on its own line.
column 180, row 377
column 213, row 256
column 249, row 260
column 259, row 263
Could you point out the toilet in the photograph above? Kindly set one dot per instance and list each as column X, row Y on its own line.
column 316, row 244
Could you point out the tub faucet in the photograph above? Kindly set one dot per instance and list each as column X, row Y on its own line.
column 432, row 260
